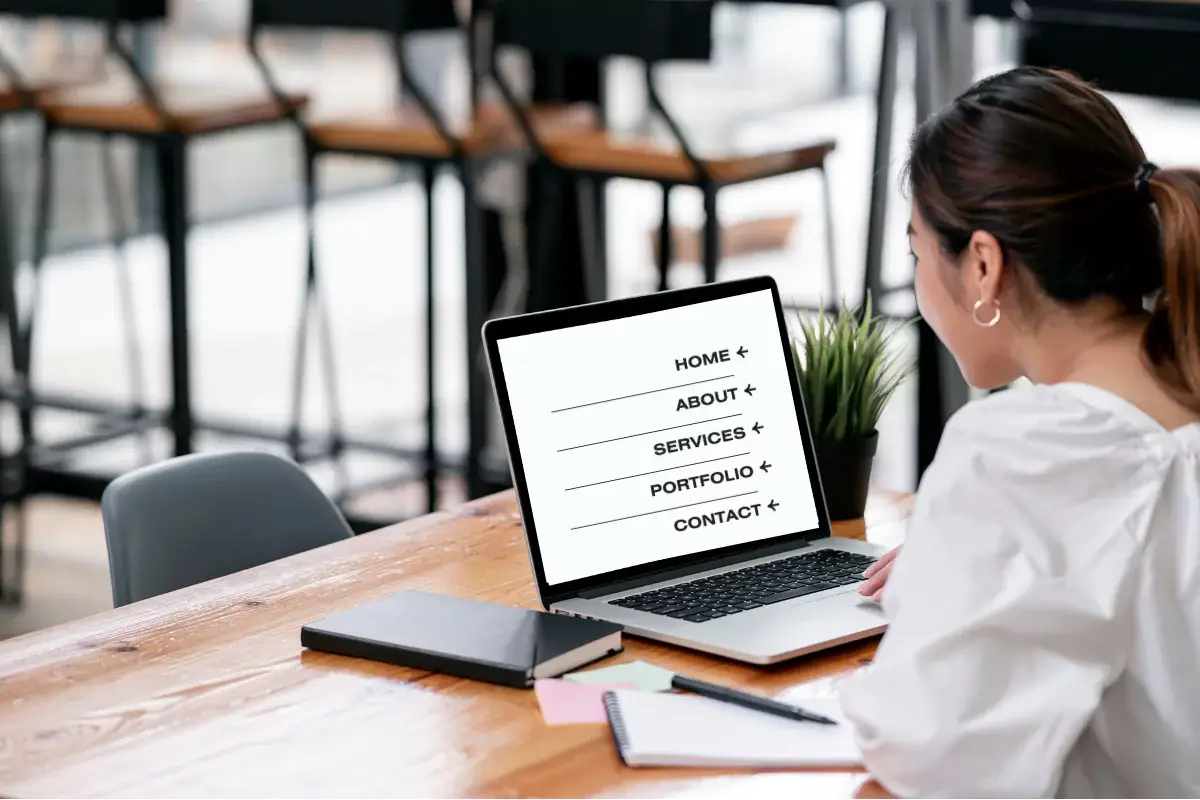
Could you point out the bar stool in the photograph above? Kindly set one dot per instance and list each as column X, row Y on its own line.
column 654, row 32
column 418, row 133
column 19, row 96
column 169, row 119
column 13, row 98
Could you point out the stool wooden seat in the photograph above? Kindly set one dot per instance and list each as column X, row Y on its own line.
column 652, row 33
column 189, row 110
column 408, row 131
column 167, row 117
column 12, row 100
column 421, row 135
column 17, row 97
column 600, row 151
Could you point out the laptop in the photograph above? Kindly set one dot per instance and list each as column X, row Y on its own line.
column 665, row 473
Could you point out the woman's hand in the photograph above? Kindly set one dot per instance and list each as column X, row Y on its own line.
column 877, row 575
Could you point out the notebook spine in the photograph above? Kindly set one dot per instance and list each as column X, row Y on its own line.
column 616, row 723
column 414, row 659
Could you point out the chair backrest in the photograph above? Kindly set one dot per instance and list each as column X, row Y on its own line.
column 388, row 16
column 200, row 517
column 96, row 10
column 651, row 30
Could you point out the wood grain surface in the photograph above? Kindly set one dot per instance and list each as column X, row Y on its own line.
column 602, row 151
column 207, row 692
column 408, row 132
column 190, row 109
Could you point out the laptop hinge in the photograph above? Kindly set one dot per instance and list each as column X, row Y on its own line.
column 691, row 569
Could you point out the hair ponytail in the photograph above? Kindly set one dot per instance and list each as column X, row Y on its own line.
column 1047, row 165
column 1173, row 337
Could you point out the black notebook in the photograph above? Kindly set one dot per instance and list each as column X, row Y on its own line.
column 466, row 638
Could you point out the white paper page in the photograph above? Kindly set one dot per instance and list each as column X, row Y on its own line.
column 689, row 730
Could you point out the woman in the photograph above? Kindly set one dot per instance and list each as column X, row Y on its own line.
column 1044, row 634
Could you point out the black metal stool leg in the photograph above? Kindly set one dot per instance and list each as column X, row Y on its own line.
column 23, row 349
column 885, row 105
column 835, row 298
column 595, row 278
column 120, row 235
column 10, row 590
column 547, row 229
column 300, row 363
column 333, row 400
column 476, row 308
column 173, row 186
column 432, row 471
column 665, row 245
column 20, row 521
column 6, row 592
column 712, row 234
column 315, row 310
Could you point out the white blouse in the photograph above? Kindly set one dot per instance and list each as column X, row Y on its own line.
column 1044, row 613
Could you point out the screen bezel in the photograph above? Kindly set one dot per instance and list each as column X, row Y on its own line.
column 540, row 322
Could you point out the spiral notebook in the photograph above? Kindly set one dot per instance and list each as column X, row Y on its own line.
column 684, row 730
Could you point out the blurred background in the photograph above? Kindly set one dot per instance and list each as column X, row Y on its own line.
column 101, row 372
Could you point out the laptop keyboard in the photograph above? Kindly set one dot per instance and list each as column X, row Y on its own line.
column 752, row 587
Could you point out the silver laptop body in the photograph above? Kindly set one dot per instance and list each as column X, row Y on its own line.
column 710, row 533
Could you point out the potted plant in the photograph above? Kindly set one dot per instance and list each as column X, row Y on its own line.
column 848, row 371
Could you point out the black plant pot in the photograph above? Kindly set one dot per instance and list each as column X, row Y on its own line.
column 846, row 474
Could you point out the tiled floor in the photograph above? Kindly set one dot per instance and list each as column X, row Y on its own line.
column 246, row 289
column 67, row 570
column 245, row 286
column 246, row 279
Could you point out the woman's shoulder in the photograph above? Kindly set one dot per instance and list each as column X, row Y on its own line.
column 1047, row 439
column 1051, row 470
column 1051, row 417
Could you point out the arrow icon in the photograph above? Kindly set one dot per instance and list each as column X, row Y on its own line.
column 764, row 466
column 750, row 390
column 772, row 505
column 757, row 427
column 742, row 352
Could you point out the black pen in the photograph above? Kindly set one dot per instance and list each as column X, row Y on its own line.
column 746, row 700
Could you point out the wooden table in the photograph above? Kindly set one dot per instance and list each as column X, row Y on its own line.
column 207, row 692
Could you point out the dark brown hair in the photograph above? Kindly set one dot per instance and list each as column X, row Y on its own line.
column 1047, row 165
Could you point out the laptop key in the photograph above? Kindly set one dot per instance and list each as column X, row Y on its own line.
column 687, row 612
column 752, row 587
column 793, row 593
column 668, row 610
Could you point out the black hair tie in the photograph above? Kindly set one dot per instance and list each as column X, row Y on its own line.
column 1141, row 182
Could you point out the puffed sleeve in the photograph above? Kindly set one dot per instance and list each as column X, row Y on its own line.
column 1007, row 607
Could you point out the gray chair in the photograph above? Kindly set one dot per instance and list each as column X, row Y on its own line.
column 199, row 517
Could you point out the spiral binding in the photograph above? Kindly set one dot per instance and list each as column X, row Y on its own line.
column 612, row 708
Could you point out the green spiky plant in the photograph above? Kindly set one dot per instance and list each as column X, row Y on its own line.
column 848, row 371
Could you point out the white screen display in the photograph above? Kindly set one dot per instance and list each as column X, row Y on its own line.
column 658, row 435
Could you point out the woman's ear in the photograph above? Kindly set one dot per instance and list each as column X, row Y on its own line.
column 982, row 267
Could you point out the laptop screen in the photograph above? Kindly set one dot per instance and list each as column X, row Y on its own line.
column 658, row 435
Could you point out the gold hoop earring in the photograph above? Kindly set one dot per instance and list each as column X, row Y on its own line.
column 991, row 323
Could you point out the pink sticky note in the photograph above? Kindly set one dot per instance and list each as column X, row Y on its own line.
column 569, row 703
